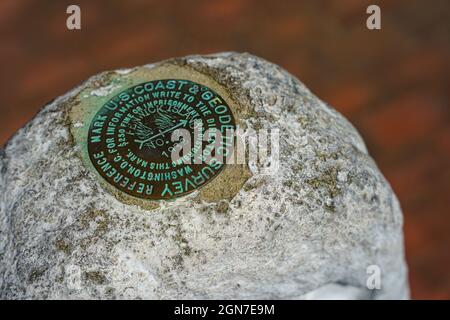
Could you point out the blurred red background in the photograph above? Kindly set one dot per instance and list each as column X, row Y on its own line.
column 393, row 84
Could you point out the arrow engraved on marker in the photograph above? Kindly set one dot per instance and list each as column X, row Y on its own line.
column 182, row 123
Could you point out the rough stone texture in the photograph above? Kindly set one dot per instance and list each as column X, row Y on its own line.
column 319, row 223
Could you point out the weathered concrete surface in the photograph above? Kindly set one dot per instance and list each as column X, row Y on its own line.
column 321, row 221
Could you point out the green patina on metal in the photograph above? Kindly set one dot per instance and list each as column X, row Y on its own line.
column 99, row 90
column 130, row 140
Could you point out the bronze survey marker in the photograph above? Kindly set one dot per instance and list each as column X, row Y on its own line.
column 130, row 139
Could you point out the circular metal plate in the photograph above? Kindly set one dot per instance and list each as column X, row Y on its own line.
column 131, row 142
